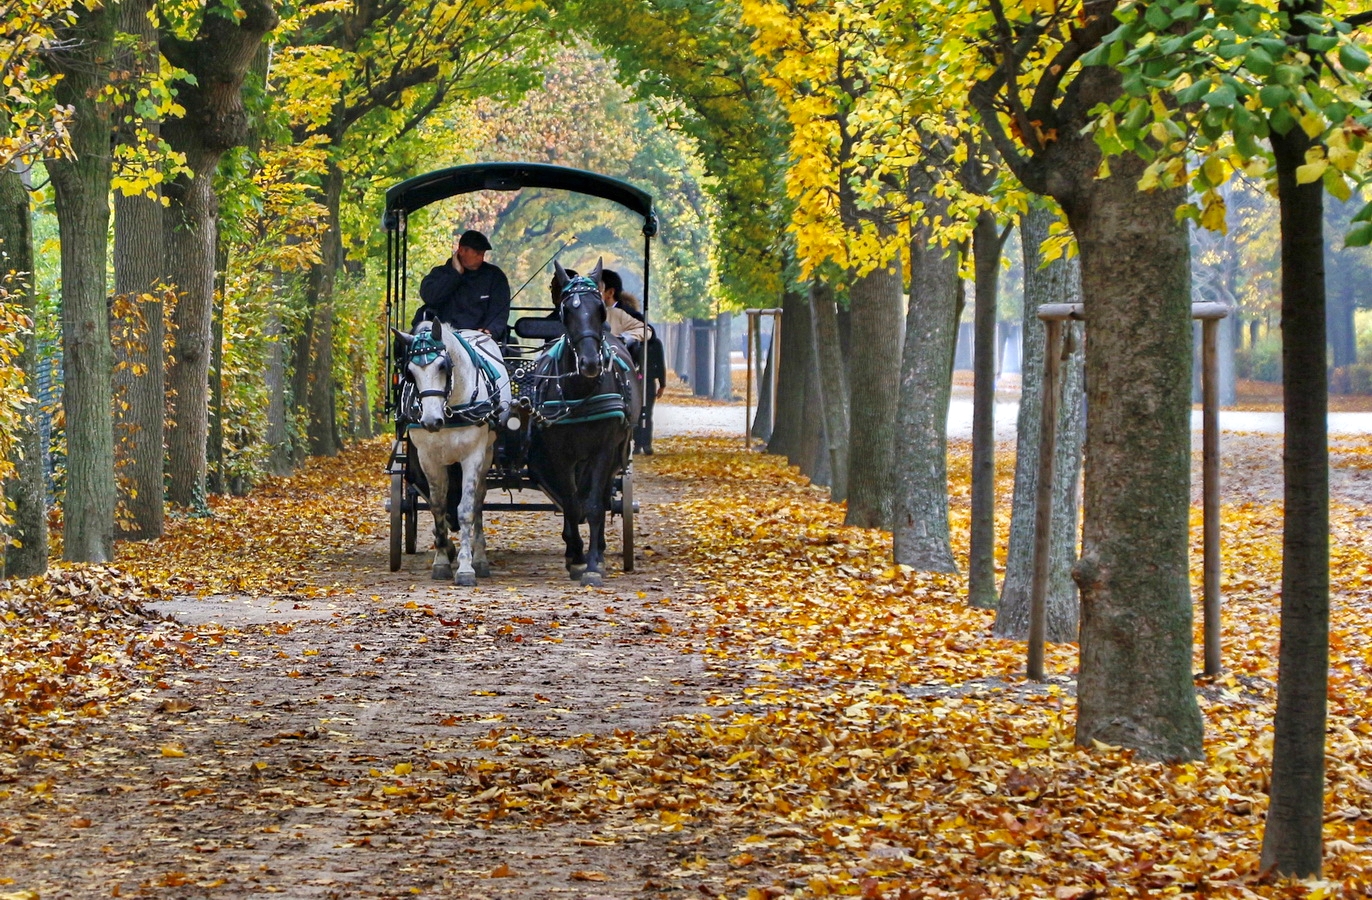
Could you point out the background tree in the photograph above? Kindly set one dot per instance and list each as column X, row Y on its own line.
column 81, row 184
column 1135, row 686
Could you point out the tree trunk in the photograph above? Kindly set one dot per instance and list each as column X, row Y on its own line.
column 190, row 237
column 323, row 427
column 1135, row 687
column 794, row 360
column 278, row 437
column 762, row 427
column 876, row 300
column 215, row 121
column 702, row 358
column 1059, row 282
column 724, row 360
column 1228, row 341
column 139, row 364
column 25, row 492
column 1342, row 335
column 920, row 534
column 82, row 186
column 832, row 384
column 1292, row 842
column 813, row 459
column 987, row 243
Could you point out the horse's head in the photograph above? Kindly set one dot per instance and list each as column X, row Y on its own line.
column 582, row 311
column 429, row 362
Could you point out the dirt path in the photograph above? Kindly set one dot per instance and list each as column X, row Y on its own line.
column 409, row 737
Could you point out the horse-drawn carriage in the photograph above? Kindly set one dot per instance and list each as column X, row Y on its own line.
column 549, row 409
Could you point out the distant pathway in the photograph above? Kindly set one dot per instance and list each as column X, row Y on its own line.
column 672, row 419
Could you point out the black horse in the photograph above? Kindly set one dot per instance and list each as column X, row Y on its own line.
column 588, row 398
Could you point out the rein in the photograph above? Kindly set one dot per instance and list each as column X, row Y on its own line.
column 426, row 350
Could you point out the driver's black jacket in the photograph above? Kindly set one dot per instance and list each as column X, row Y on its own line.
column 478, row 299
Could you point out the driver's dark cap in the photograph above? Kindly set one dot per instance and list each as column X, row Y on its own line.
column 474, row 239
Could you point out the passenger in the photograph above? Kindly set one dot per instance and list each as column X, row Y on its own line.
column 465, row 291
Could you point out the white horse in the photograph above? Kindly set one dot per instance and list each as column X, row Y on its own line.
column 464, row 395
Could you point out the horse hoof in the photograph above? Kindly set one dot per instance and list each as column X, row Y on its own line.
column 574, row 571
column 465, row 579
column 483, row 570
column 442, row 573
column 591, row 579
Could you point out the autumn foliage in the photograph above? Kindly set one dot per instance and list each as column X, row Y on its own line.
column 865, row 736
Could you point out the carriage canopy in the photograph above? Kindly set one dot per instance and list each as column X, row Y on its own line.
column 421, row 190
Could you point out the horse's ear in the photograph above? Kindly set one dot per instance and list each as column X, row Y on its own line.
column 560, row 278
column 437, row 333
column 595, row 273
column 406, row 337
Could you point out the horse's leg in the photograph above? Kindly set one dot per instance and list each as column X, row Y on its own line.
column 438, row 504
column 555, row 483
column 466, row 523
column 596, row 489
column 479, row 560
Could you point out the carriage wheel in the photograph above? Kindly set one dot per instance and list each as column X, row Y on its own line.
column 411, row 518
column 397, row 512
column 627, row 514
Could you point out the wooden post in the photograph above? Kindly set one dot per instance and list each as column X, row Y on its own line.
column 748, row 380
column 1210, row 454
column 1043, row 502
column 775, row 351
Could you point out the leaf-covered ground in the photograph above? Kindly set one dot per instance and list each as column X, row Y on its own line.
column 766, row 708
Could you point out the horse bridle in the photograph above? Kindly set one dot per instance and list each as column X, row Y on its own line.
column 431, row 349
column 572, row 292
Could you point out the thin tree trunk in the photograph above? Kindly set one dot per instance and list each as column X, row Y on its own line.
column 139, row 364
column 323, row 427
column 724, row 361
column 25, row 492
column 987, row 244
column 762, row 420
column 1292, row 843
column 813, row 459
column 82, row 186
column 795, row 355
column 702, row 359
column 876, row 301
column 190, row 238
column 214, row 441
column 278, row 438
column 1058, row 282
column 832, row 384
column 920, row 536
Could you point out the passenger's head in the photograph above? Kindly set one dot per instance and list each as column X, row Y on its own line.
column 611, row 286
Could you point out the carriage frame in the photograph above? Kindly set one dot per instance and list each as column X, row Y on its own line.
column 506, row 473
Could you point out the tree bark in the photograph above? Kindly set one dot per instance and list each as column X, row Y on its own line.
column 1292, row 843
column 139, row 365
column 1135, row 687
column 987, row 243
column 25, row 492
column 761, row 427
column 702, row 359
column 215, row 121
column 278, row 436
column 81, row 186
column 319, row 404
column 1059, row 282
column 876, row 300
column 724, row 361
column 795, row 353
column 832, row 385
column 920, row 537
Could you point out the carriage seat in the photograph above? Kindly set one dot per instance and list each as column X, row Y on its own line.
column 539, row 328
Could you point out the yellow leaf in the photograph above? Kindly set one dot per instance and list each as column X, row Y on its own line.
column 173, row 750
column 1311, row 172
column 403, row 768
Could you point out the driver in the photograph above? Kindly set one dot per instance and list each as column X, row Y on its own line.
column 465, row 291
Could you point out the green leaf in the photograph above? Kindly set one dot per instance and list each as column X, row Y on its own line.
column 1364, row 214
column 1353, row 58
column 1222, row 96
column 1273, row 96
column 1360, row 236
column 1193, row 92
column 1289, row 75
column 1186, row 11
column 1321, row 43
column 1157, row 17
column 1282, row 120
column 1337, row 185
column 1258, row 60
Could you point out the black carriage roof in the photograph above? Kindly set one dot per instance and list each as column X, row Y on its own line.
column 421, row 190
